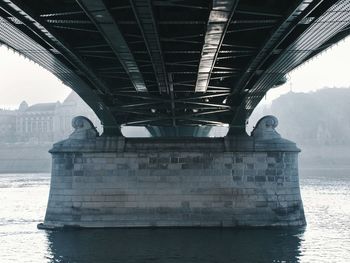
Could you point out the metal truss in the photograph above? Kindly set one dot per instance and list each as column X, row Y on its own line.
column 172, row 63
column 105, row 24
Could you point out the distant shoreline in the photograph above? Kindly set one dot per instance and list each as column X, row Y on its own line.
column 25, row 158
column 35, row 158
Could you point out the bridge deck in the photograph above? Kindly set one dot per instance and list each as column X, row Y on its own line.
column 172, row 63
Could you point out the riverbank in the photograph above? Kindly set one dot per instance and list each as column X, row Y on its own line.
column 25, row 158
column 324, row 156
column 35, row 158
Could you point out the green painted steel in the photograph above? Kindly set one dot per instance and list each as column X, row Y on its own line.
column 172, row 65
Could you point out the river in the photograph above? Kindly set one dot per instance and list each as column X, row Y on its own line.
column 326, row 238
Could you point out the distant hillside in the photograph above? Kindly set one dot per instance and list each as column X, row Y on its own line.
column 316, row 118
column 319, row 122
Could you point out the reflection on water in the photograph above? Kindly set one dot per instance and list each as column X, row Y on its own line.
column 175, row 245
column 326, row 238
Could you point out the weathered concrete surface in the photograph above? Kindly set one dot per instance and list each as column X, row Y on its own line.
column 228, row 182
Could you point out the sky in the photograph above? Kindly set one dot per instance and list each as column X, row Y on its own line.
column 22, row 79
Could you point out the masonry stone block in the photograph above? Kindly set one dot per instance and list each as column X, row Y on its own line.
column 167, row 182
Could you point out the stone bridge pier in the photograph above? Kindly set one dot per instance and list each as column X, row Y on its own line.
column 243, row 181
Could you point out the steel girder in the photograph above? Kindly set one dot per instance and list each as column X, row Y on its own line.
column 232, row 52
column 323, row 29
column 219, row 19
column 42, row 47
column 98, row 13
column 145, row 18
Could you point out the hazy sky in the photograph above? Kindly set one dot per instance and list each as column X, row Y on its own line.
column 21, row 79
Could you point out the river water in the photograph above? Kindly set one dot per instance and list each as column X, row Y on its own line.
column 326, row 238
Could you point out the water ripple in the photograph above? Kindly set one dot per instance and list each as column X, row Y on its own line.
column 326, row 238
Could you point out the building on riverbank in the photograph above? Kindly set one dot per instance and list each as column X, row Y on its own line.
column 42, row 122
column 7, row 125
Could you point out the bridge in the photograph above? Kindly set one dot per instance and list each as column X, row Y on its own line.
column 178, row 68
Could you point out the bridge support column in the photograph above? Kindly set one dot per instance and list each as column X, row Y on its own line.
column 174, row 182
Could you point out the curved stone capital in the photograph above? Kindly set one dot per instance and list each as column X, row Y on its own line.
column 265, row 128
column 83, row 129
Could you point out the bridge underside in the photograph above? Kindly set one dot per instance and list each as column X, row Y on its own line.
column 177, row 67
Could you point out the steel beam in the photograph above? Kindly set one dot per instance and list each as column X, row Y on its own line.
column 179, row 117
column 249, row 64
column 50, row 37
column 218, row 22
column 281, row 32
column 177, row 3
column 64, row 69
column 146, row 21
column 332, row 21
column 246, row 12
column 104, row 22
column 265, row 51
column 171, row 87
